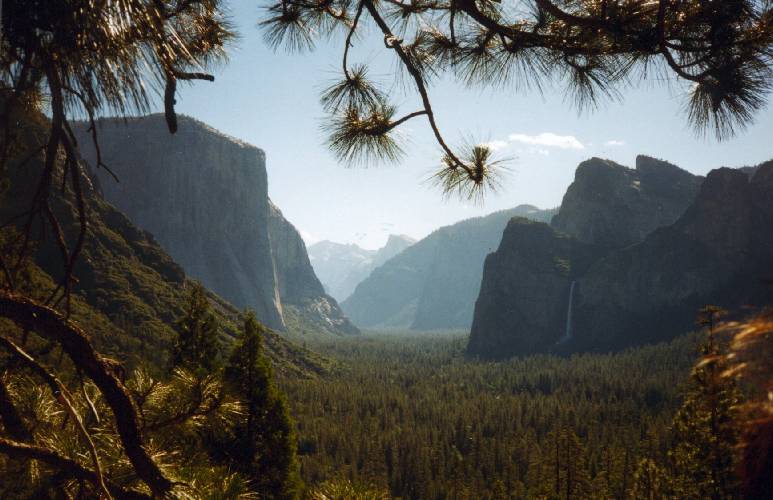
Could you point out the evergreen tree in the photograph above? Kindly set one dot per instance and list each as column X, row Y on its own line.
column 576, row 478
column 197, row 346
column 263, row 444
column 650, row 481
column 570, row 478
column 704, row 428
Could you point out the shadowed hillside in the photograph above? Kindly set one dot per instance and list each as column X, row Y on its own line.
column 129, row 291
column 433, row 284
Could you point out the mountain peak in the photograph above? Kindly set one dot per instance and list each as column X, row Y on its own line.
column 342, row 266
column 397, row 238
column 644, row 162
column 611, row 205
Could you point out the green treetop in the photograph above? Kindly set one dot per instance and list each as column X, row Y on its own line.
column 705, row 427
column 263, row 443
column 197, row 347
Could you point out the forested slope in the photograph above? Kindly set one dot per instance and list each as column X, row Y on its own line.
column 124, row 278
column 410, row 416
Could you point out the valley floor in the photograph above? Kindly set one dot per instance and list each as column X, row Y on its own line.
column 407, row 415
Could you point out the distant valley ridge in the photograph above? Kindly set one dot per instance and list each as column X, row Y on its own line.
column 342, row 266
column 433, row 283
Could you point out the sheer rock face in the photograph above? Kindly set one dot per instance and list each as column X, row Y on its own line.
column 718, row 251
column 204, row 196
column 433, row 283
column 613, row 206
column 294, row 275
column 524, row 295
column 128, row 292
column 297, row 283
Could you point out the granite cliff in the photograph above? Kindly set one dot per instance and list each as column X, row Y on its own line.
column 433, row 283
column 613, row 206
column 128, row 291
column 719, row 252
column 525, row 289
column 204, row 197
column 299, row 289
column 684, row 243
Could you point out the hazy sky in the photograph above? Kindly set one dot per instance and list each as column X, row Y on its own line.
column 272, row 101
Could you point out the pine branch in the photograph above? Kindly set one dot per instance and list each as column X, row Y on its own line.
column 69, row 467
column 64, row 397
column 51, row 325
column 393, row 42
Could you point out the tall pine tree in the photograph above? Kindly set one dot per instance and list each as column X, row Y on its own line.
column 704, row 428
column 650, row 482
column 197, row 348
column 263, row 444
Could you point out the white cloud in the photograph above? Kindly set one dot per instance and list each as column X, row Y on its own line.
column 614, row 143
column 495, row 145
column 548, row 139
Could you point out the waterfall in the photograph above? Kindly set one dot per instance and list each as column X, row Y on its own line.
column 568, row 332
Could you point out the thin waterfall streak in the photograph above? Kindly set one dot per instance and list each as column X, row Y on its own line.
column 568, row 331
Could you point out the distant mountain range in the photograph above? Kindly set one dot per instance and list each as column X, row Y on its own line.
column 630, row 258
column 433, row 283
column 341, row 267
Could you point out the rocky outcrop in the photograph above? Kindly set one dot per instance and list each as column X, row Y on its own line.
column 294, row 275
column 718, row 250
column 524, row 297
column 341, row 267
column 614, row 206
column 298, row 285
column 204, row 196
column 433, row 283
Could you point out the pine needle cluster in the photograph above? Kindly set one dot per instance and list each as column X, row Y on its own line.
column 717, row 53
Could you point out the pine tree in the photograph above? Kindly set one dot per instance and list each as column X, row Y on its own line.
column 577, row 482
column 264, row 444
column 197, row 347
column 704, row 428
column 650, row 481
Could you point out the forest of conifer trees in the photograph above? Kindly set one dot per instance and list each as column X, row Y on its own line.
column 410, row 417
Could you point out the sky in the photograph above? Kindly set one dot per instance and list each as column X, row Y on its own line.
column 271, row 99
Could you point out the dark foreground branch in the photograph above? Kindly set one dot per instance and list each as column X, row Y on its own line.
column 68, row 467
column 53, row 326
